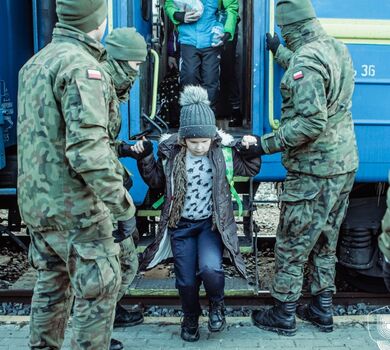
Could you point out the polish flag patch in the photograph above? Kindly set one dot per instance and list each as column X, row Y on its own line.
column 94, row 74
column 298, row 75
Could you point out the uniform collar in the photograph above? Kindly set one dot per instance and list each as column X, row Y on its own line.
column 64, row 32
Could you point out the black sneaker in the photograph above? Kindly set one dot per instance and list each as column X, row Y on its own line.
column 217, row 321
column 115, row 345
column 124, row 318
column 190, row 328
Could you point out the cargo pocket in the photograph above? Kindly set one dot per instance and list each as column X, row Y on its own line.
column 95, row 269
column 299, row 187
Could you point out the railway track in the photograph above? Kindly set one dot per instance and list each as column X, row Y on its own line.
column 262, row 298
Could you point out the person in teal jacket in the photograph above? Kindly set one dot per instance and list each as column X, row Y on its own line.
column 201, row 37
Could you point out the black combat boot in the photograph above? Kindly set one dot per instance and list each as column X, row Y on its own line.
column 280, row 318
column 236, row 119
column 115, row 345
column 319, row 312
column 190, row 328
column 217, row 321
column 124, row 318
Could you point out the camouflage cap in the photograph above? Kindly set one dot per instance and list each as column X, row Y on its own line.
column 126, row 44
column 85, row 15
column 291, row 11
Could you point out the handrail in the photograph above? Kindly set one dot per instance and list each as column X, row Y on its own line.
column 274, row 123
column 155, row 83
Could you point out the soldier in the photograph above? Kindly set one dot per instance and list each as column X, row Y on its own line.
column 319, row 149
column 126, row 51
column 68, row 184
column 384, row 242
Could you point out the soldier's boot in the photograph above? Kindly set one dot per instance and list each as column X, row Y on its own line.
column 115, row 345
column 217, row 321
column 280, row 318
column 319, row 312
column 127, row 318
column 190, row 328
column 236, row 119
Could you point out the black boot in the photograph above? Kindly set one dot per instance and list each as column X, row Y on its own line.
column 217, row 321
column 236, row 119
column 190, row 328
column 115, row 345
column 280, row 318
column 124, row 318
column 319, row 312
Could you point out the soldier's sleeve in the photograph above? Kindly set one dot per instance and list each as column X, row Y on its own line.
column 307, row 88
column 384, row 238
column 88, row 149
column 283, row 56
column 231, row 8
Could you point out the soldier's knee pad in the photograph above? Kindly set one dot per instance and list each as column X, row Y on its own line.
column 95, row 269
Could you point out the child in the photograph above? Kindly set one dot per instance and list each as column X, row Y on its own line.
column 197, row 220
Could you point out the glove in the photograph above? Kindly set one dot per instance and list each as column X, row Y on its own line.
column 124, row 150
column 254, row 150
column 273, row 42
column 125, row 229
column 386, row 273
column 222, row 42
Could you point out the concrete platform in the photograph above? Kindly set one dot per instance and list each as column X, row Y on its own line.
column 351, row 333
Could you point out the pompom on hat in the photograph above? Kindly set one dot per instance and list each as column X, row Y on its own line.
column 197, row 119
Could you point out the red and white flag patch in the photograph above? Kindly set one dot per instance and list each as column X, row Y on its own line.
column 298, row 75
column 94, row 74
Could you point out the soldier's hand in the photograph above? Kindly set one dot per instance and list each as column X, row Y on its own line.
column 140, row 150
column 273, row 42
column 386, row 273
column 250, row 146
column 125, row 229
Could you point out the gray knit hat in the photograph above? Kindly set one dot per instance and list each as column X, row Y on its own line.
column 292, row 11
column 197, row 119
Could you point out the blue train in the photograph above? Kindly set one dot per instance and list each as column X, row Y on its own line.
column 26, row 25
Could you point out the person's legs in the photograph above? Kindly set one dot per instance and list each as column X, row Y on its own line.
column 190, row 62
column 210, row 251
column 210, row 70
column 129, row 267
column 323, row 259
column 94, row 270
column 184, row 247
column 52, row 298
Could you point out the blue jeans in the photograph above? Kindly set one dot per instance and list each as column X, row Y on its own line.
column 197, row 253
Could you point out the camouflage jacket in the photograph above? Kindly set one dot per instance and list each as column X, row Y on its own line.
column 384, row 238
column 316, row 134
column 68, row 174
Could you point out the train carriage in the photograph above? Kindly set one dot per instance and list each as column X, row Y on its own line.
column 26, row 25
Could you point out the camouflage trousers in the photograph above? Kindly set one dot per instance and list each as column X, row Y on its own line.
column 312, row 211
column 129, row 265
column 80, row 265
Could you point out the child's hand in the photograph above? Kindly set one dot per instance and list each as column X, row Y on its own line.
column 248, row 140
column 138, row 151
column 191, row 16
column 139, row 146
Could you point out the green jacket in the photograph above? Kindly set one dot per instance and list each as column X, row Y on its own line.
column 384, row 238
column 68, row 174
column 230, row 6
column 316, row 134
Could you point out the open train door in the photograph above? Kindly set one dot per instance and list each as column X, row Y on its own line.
column 144, row 15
